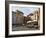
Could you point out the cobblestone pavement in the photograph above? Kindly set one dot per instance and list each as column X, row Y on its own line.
column 21, row 28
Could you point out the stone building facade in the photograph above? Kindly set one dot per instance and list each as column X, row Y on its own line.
column 35, row 17
column 17, row 17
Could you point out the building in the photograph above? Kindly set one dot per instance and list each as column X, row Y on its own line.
column 33, row 16
column 35, row 19
column 17, row 17
column 26, row 19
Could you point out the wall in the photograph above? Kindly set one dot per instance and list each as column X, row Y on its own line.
column 2, row 20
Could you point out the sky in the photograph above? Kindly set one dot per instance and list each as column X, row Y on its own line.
column 25, row 10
